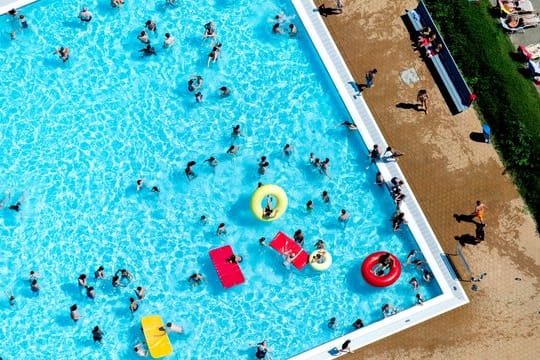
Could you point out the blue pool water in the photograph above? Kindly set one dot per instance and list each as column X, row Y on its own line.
column 76, row 136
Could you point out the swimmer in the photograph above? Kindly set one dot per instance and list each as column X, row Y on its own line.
column 319, row 245
column 259, row 184
column 196, row 279
column 374, row 154
column 287, row 150
column 140, row 292
column 332, row 323
column 148, row 50
column 398, row 197
column 262, row 349
column 34, row 286
column 74, row 314
column 143, row 37
column 98, row 274
column 140, row 184
column 124, row 274
column 139, row 350
column 427, row 275
column 150, row 25
column 154, row 189
column 276, row 29
column 212, row 161
column 324, row 167
column 344, row 217
column 385, row 262
column 117, row 3
column 233, row 150
column 90, row 292
column 63, row 53
column 236, row 132
column 288, row 257
column 325, row 197
column 319, row 258
column 234, row 259
column 398, row 219
column 349, row 125
column 419, row 299
column 309, row 205
column 199, row 97
column 85, row 15
column 317, row 163
column 299, row 237
column 203, row 220
column 116, row 282
column 82, row 281
column 195, row 83
column 169, row 41
column 379, row 180
column 10, row 298
column 214, row 54
column 414, row 284
column 224, row 91
column 190, row 174
column 209, row 31
column 358, row 324
column 311, row 158
column 97, row 334
column 262, row 241
column 293, row 31
column 410, row 257
column 174, row 328
column 133, row 305
column 221, row 230
column 388, row 310
column 33, row 275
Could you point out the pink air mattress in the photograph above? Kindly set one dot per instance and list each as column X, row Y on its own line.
column 229, row 274
column 285, row 245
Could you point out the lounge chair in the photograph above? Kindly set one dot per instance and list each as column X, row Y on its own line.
column 534, row 68
column 530, row 51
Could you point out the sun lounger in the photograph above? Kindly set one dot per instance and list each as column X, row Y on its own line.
column 524, row 6
column 508, row 28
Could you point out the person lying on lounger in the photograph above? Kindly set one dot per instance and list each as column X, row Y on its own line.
column 517, row 21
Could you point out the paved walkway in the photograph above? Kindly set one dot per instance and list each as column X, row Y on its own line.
column 448, row 172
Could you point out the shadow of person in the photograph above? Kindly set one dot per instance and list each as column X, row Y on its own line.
column 465, row 218
column 466, row 239
column 408, row 106
column 324, row 11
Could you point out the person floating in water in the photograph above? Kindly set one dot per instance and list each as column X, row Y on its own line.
column 85, row 15
column 190, row 174
column 262, row 350
column 63, row 53
column 196, row 279
column 148, row 50
column 224, row 91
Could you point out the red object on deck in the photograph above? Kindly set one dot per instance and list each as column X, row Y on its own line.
column 230, row 274
column 284, row 244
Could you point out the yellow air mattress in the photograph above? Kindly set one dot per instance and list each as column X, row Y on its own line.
column 156, row 337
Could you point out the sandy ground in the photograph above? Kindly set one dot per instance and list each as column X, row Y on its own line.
column 448, row 172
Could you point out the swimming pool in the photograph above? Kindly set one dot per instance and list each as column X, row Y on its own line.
column 77, row 136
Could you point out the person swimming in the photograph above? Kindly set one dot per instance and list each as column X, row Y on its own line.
column 148, row 50
column 85, row 15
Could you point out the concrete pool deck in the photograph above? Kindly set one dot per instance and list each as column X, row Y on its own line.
column 447, row 172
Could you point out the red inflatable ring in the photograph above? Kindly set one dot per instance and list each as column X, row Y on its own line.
column 384, row 280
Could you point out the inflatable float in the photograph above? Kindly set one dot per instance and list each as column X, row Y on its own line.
column 261, row 194
column 385, row 279
column 156, row 337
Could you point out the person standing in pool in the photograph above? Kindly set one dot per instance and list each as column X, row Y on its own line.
column 299, row 237
column 74, row 314
column 98, row 274
column 133, row 305
column 262, row 350
column 344, row 217
column 85, row 15
column 325, row 197
column 332, row 323
column 221, row 230
column 97, row 334
column 224, row 91
column 34, row 286
column 140, row 292
column 190, row 174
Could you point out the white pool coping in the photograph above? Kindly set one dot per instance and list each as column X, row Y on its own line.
column 6, row 5
column 453, row 294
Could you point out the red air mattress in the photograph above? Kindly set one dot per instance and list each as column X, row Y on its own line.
column 284, row 244
column 230, row 274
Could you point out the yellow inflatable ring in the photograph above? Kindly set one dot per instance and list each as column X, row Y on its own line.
column 260, row 194
column 320, row 260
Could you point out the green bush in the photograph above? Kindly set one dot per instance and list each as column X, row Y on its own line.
column 506, row 97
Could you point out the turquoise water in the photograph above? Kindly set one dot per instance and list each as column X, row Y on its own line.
column 77, row 135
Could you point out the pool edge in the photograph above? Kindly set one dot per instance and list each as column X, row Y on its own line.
column 453, row 295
